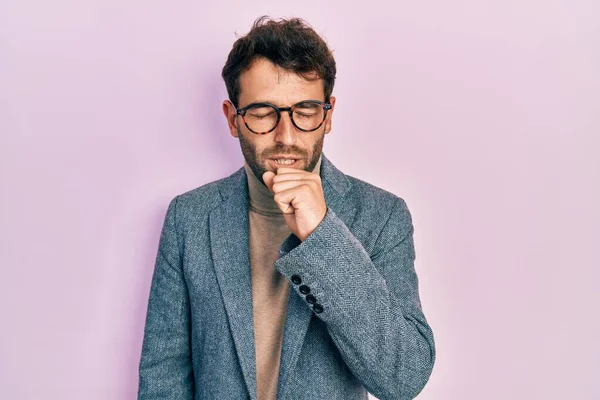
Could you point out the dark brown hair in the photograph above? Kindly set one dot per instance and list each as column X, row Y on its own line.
column 291, row 44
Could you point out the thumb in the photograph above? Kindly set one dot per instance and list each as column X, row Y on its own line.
column 268, row 179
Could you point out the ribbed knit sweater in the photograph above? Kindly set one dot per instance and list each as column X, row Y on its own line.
column 270, row 289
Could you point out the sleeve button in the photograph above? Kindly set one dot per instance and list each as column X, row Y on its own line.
column 296, row 279
column 310, row 299
column 317, row 308
column 304, row 289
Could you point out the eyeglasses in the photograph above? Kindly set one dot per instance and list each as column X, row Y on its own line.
column 262, row 118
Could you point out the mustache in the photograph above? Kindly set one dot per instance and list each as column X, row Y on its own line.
column 285, row 152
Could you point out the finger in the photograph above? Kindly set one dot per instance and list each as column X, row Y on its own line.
column 288, row 170
column 284, row 201
column 296, row 176
column 268, row 179
column 280, row 186
column 290, row 199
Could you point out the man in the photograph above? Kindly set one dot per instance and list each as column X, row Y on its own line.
column 287, row 279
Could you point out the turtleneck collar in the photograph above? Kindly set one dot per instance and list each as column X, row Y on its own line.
column 260, row 197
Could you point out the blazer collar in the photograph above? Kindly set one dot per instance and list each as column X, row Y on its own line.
column 229, row 226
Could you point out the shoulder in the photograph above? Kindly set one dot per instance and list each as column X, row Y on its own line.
column 198, row 202
column 381, row 217
column 371, row 199
column 375, row 207
column 369, row 193
column 364, row 195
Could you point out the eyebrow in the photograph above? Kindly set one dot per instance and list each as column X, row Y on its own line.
column 279, row 105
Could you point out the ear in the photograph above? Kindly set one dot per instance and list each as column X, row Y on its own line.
column 230, row 116
column 329, row 115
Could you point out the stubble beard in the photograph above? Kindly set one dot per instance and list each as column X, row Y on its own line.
column 249, row 152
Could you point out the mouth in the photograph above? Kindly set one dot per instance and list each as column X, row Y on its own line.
column 288, row 162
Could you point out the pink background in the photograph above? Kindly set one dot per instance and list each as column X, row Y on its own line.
column 483, row 116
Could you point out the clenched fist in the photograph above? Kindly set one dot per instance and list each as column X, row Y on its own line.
column 299, row 195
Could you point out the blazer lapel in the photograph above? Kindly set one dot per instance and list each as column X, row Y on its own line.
column 230, row 250
column 298, row 314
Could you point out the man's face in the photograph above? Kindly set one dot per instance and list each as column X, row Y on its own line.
column 265, row 82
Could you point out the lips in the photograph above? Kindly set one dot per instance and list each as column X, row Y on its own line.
column 284, row 158
column 275, row 164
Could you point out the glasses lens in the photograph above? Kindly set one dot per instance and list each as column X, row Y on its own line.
column 308, row 116
column 261, row 118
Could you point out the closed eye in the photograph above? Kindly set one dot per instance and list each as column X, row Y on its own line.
column 305, row 114
column 261, row 116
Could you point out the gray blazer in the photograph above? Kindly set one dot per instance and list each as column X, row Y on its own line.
column 370, row 333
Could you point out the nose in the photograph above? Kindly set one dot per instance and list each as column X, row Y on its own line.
column 285, row 133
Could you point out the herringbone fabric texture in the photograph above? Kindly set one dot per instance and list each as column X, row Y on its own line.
column 371, row 334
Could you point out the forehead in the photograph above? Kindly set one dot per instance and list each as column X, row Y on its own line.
column 265, row 81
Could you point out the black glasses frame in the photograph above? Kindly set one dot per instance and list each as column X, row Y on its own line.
column 278, row 110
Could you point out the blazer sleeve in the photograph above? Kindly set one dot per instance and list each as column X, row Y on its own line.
column 370, row 302
column 165, row 368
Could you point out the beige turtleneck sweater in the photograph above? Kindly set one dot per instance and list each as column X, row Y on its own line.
column 270, row 289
